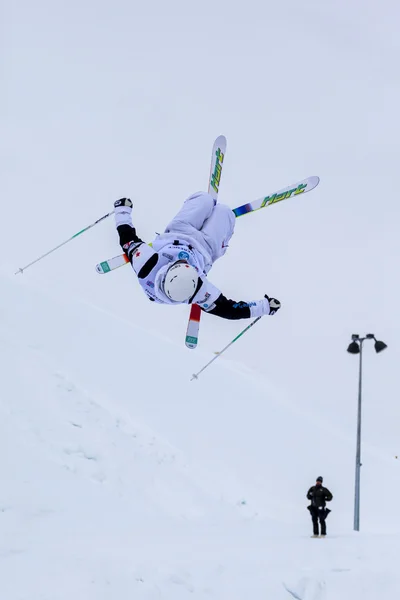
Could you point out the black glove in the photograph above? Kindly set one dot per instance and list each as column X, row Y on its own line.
column 274, row 304
column 123, row 202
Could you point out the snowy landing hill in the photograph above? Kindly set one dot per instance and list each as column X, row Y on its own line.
column 122, row 479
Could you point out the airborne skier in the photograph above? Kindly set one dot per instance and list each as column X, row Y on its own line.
column 173, row 270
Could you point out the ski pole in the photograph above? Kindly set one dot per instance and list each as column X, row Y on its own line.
column 63, row 243
column 196, row 375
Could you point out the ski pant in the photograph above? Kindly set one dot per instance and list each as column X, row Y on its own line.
column 318, row 515
column 206, row 225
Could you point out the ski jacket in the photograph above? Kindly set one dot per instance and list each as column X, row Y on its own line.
column 151, row 264
column 319, row 496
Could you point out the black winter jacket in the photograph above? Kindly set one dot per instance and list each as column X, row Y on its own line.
column 319, row 496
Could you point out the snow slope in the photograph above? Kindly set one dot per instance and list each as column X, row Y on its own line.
column 121, row 478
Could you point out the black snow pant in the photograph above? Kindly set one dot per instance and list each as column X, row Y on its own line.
column 318, row 515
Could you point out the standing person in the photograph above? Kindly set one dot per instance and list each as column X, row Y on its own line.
column 319, row 496
column 173, row 270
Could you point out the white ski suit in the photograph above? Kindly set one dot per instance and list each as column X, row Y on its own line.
column 199, row 234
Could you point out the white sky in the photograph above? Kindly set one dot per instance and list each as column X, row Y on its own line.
column 104, row 99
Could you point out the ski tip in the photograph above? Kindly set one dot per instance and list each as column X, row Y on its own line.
column 191, row 342
column 312, row 183
column 220, row 144
column 103, row 267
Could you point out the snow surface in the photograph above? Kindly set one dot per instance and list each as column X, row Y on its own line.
column 111, row 489
column 121, row 478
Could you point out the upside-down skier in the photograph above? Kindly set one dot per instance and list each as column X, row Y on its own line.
column 173, row 270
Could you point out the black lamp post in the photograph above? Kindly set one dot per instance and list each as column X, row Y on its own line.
column 356, row 347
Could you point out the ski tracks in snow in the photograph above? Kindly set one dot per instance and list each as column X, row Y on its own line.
column 308, row 589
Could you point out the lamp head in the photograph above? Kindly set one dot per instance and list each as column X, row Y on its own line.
column 353, row 348
column 379, row 346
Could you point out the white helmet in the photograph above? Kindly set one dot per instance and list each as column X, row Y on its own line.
column 180, row 282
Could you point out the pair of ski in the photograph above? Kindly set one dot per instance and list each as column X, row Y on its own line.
column 214, row 180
